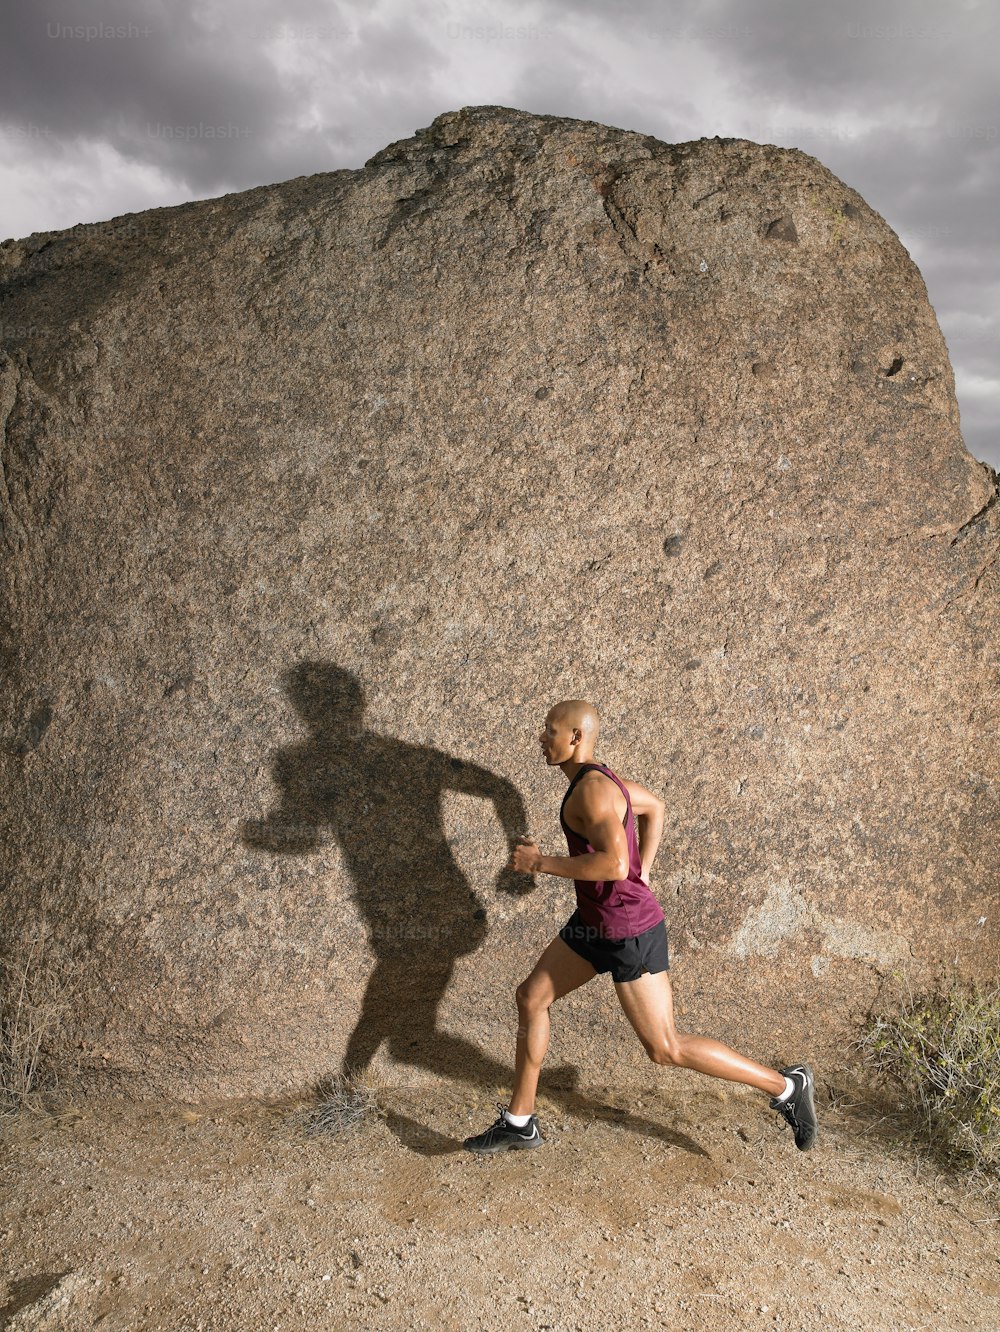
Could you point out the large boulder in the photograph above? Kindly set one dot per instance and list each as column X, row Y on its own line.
column 315, row 497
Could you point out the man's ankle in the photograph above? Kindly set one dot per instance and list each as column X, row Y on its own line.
column 518, row 1120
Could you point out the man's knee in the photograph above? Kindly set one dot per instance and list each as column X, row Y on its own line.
column 530, row 999
column 666, row 1052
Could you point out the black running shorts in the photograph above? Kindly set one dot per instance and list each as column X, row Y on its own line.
column 624, row 958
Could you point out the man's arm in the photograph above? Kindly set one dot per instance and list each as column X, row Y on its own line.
column 648, row 810
column 595, row 811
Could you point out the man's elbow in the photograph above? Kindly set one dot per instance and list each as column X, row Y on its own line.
column 655, row 811
column 621, row 870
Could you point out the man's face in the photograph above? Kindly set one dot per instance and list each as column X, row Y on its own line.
column 557, row 740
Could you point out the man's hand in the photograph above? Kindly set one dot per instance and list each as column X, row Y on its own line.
column 525, row 857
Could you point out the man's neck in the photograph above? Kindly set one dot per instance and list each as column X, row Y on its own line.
column 572, row 766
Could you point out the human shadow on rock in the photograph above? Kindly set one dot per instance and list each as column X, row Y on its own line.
column 382, row 800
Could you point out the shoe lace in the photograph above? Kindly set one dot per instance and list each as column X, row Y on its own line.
column 789, row 1113
column 503, row 1123
column 499, row 1122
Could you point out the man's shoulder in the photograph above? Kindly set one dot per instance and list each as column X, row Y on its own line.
column 595, row 779
column 604, row 771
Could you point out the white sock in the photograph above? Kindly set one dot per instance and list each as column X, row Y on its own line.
column 789, row 1088
column 518, row 1121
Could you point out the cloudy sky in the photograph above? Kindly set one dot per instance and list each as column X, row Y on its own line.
column 113, row 106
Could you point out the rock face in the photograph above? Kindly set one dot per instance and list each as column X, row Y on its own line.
column 316, row 497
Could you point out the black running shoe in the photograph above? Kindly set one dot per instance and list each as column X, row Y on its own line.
column 799, row 1109
column 504, row 1137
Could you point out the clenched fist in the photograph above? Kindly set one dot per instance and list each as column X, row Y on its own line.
column 525, row 857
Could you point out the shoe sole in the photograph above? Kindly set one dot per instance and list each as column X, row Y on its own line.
column 505, row 1147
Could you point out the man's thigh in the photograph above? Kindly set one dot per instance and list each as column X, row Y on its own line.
column 557, row 971
column 648, row 1003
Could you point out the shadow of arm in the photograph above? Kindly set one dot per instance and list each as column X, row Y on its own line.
column 470, row 779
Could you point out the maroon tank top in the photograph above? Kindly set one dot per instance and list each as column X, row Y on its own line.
column 619, row 908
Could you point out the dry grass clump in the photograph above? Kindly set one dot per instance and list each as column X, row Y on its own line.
column 941, row 1050
column 341, row 1103
column 34, row 999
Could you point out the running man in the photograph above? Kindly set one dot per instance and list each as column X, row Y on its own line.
column 618, row 926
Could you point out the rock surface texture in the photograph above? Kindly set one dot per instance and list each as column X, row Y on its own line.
column 315, row 497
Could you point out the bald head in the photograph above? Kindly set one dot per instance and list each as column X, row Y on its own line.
column 571, row 731
column 577, row 712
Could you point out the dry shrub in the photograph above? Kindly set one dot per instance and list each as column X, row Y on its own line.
column 942, row 1051
column 34, row 998
column 342, row 1103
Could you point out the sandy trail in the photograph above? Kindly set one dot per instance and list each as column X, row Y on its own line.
column 228, row 1217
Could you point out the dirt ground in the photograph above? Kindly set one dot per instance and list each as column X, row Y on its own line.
column 684, row 1205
